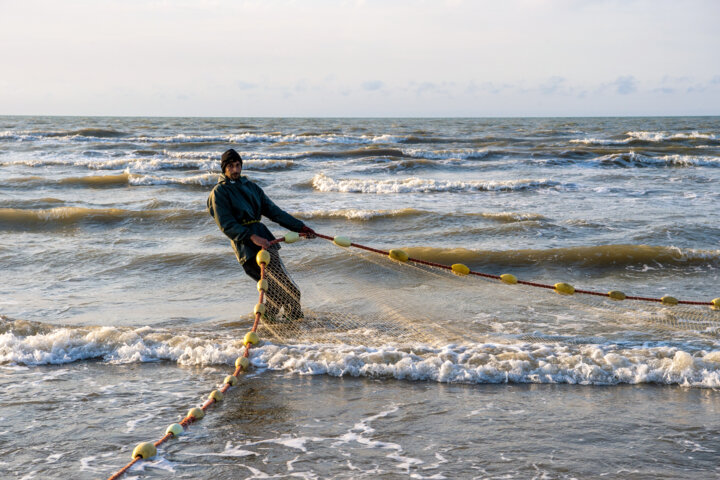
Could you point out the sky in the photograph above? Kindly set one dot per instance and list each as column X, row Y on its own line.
column 338, row 58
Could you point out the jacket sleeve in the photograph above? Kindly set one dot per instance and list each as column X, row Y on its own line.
column 277, row 214
column 219, row 208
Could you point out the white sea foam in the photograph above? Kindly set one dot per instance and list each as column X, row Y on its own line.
column 600, row 141
column 633, row 158
column 460, row 154
column 591, row 364
column 205, row 179
column 360, row 214
column 663, row 136
column 246, row 137
column 645, row 136
column 323, row 183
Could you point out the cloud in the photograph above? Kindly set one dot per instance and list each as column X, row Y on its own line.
column 245, row 85
column 626, row 85
column 667, row 79
column 555, row 86
column 372, row 85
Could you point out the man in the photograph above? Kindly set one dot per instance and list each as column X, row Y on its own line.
column 237, row 204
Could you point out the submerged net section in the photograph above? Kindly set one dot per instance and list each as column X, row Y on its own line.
column 359, row 297
column 357, row 308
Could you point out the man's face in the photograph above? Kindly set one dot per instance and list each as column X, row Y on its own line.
column 232, row 171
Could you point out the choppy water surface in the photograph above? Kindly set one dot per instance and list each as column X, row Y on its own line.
column 121, row 304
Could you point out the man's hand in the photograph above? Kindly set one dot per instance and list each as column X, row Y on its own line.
column 309, row 232
column 260, row 241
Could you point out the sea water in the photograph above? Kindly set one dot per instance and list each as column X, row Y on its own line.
column 122, row 305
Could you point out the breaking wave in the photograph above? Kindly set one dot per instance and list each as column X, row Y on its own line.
column 649, row 137
column 63, row 216
column 633, row 159
column 323, row 183
column 368, row 215
column 28, row 343
column 600, row 256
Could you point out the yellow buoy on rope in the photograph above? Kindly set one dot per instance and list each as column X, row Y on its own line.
column 564, row 288
column 231, row 379
column 291, row 237
column 616, row 295
column 341, row 241
column 216, row 395
column 196, row 413
column 175, row 429
column 398, row 255
column 668, row 300
column 242, row 362
column 508, row 278
column 262, row 285
column 145, row 450
column 263, row 256
column 460, row 269
column 251, row 337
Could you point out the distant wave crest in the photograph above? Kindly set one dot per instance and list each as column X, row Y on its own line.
column 599, row 256
column 323, row 183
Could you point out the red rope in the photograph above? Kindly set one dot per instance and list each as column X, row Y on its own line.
column 497, row 277
column 185, row 422
column 188, row 419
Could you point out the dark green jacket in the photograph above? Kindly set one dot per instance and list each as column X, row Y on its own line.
column 237, row 208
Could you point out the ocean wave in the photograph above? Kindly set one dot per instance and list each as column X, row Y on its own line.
column 32, row 343
column 370, row 151
column 26, row 343
column 512, row 217
column 89, row 132
column 459, row 154
column 64, row 216
column 499, row 363
column 369, row 215
column 362, row 214
column 175, row 162
column 664, row 136
column 633, row 159
column 323, row 183
column 126, row 178
column 599, row 256
column 648, row 137
column 100, row 135
column 44, row 202
column 82, row 135
column 307, row 138
column 203, row 180
column 384, row 164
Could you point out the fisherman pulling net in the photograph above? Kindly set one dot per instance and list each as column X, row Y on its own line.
column 376, row 302
column 237, row 204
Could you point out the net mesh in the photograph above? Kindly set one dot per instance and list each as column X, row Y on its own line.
column 373, row 300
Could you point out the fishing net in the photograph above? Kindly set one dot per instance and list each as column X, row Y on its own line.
column 383, row 301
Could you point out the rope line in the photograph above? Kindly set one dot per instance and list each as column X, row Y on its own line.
column 148, row 450
column 665, row 300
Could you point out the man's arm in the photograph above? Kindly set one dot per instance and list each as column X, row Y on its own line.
column 278, row 215
column 219, row 208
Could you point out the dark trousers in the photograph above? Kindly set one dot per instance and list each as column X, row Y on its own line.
column 282, row 291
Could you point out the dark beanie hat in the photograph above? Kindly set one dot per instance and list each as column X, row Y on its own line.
column 229, row 157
